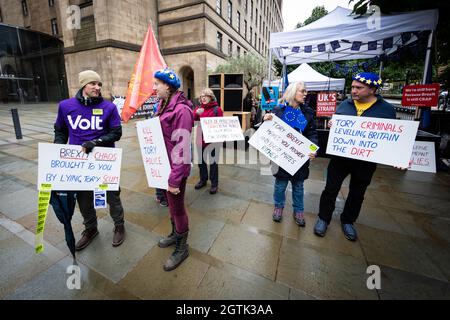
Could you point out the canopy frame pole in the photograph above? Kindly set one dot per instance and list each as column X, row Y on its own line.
column 427, row 57
column 269, row 75
column 418, row 113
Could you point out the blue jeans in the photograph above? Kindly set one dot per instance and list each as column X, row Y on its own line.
column 279, row 194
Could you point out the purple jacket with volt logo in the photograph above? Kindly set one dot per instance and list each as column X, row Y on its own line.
column 89, row 121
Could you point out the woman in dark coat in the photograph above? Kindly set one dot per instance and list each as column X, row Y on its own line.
column 293, row 103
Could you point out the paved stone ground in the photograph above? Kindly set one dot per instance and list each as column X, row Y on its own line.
column 237, row 252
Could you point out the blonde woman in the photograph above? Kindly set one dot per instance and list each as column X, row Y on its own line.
column 295, row 113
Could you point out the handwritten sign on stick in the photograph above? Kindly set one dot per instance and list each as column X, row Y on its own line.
column 154, row 153
column 423, row 157
column 66, row 167
column 282, row 144
column 220, row 129
column 376, row 140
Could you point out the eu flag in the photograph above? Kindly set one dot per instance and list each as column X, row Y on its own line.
column 295, row 118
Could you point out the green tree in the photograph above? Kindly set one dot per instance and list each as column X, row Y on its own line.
column 317, row 13
column 253, row 67
column 442, row 34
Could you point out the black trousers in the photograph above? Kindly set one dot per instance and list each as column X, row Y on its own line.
column 86, row 203
column 360, row 172
column 210, row 154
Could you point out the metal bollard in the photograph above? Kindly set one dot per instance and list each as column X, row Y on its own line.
column 16, row 121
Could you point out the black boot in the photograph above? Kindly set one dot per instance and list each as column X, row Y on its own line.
column 170, row 239
column 181, row 252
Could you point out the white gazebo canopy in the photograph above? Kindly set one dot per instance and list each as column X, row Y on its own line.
column 342, row 36
column 313, row 80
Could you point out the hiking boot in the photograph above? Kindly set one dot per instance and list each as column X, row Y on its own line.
column 277, row 214
column 181, row 252
column 200, row 185
column 119, row 235
column 170, row 239
column 87, row 236
column 299, row 218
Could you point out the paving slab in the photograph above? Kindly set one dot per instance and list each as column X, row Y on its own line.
column 248, row 249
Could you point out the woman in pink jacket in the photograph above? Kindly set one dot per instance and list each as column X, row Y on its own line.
column 177, row 120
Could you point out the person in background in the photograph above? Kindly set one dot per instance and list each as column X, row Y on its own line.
column 177, row 120
column 294, row 112
column 209, row 153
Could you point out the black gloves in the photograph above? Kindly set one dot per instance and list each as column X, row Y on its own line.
column 89, row 145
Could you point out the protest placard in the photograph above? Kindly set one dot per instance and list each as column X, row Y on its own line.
column 326, row 104
column 65, row 167
column 220, row 129
column 423, row 157
column 421, row 95
column 384, row 141
column 154, row 153
column 269, row 97
column 282, row 144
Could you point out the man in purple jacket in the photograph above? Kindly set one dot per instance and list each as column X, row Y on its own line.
column 90, row 121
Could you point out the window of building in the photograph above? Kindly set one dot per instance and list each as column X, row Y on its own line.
column 219, row 7
column 24, row 7
column 251, row 35
column 238, row 50
column 238, row 21
column 246, row 6
column 54, row 27
column 230, row 13
column 230, row 47
column 51, row 3
column 245, row 29
column 251, row 10
column 260, row 24
column 255, row 40
column 256, row 22
column 219, row 41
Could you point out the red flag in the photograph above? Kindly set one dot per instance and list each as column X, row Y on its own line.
column 140, row 87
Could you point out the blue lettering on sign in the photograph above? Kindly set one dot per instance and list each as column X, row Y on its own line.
column 49, row 177
column 90, row 179
column 345, row 123
column 150, row 150
column 344, row 141
column 106, row 167
column 70, row 178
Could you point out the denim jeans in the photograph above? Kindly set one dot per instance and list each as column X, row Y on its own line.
column 279, row 194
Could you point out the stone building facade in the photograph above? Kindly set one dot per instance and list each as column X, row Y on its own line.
column 194, row 35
